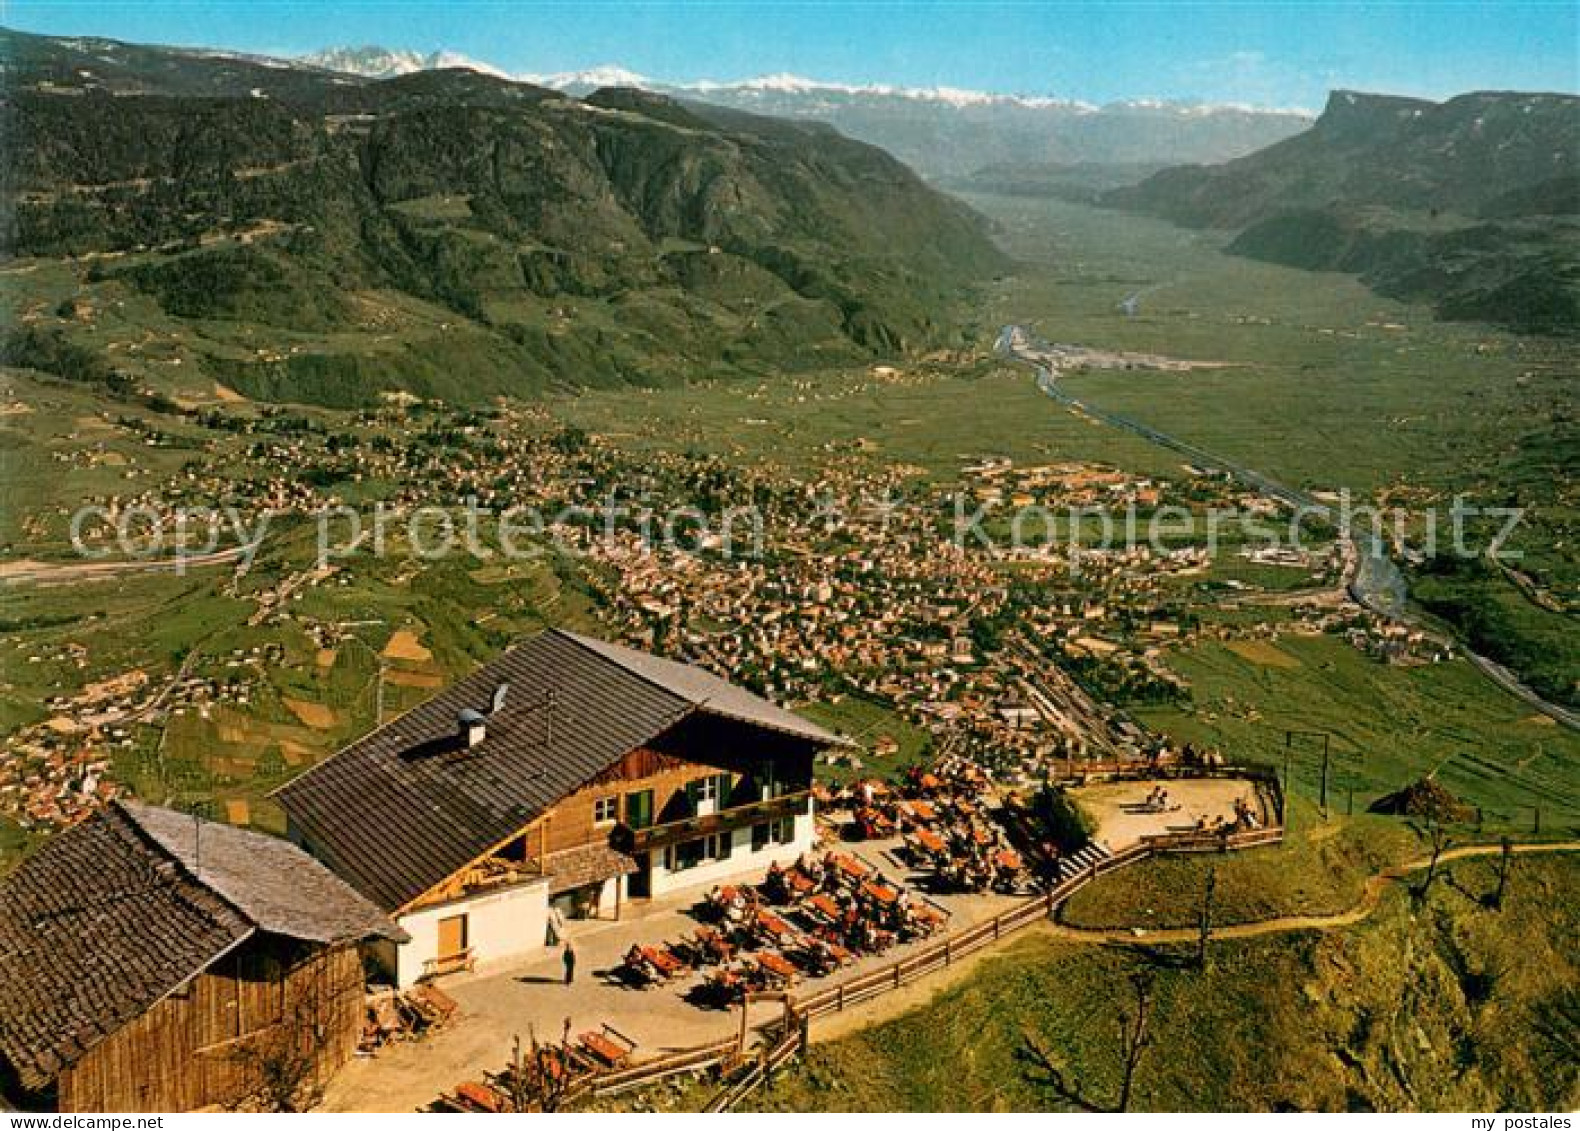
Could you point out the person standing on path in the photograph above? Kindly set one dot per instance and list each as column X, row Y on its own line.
column 570, row 963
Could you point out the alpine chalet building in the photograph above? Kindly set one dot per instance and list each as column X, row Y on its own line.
column 568, row 772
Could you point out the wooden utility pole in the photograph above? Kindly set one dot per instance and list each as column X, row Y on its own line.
column 1204, row 918
column 1289, row 744
column 1324, row 775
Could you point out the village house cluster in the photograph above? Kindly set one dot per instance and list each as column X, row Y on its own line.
column 861, row 584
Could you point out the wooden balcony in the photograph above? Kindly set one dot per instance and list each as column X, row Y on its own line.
column 656, row 837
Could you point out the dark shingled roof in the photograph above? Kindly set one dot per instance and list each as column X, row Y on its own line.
column 589, row 864
column 276, row 885
column 406, row 807
column 110, row 916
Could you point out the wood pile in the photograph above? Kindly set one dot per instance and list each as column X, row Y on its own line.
column 409, row 1016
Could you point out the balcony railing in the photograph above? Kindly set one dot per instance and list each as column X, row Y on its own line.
column 655, row 837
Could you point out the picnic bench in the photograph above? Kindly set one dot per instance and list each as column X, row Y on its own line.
column 778, row 968
column 846, row 868
column 475, row 1096
column 463, row 960
column 822, row 906
column 606, row 1045
column 774, row 927
column 880, row 892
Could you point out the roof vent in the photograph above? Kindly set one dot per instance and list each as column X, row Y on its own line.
column 499, row 699
column 471, row 726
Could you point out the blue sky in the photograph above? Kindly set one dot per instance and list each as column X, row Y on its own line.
column 1272, row 53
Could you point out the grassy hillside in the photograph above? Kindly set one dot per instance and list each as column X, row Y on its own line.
column 457, row 235
column 1469, row 204
column 1443, row 1006
column 1388, row 726
column 1498, row 619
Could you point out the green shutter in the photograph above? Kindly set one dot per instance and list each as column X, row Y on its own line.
column 639, row 809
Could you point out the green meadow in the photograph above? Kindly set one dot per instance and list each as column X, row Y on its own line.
column 1435, row 1005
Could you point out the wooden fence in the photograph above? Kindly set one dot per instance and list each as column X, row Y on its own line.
column 799, row 1011
column 726, row 1053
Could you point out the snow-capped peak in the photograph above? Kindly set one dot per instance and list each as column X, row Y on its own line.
column 785, row 83
column 386, row 63
column 607, row 74
column 380, row 62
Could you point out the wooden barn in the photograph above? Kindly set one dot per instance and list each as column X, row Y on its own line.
column 150, row 961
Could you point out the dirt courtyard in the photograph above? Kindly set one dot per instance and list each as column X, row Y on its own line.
column 530, row 997
column 1122, row 820
column 499, row 1004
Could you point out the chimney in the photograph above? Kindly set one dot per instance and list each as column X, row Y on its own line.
column 471, row 727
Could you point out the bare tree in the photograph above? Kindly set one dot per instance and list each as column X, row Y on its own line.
column 1048, row 1069
column 540, row 1079
column 1437, row 833
column 1204, row 917
column 1134, row 1036
column 1505, row 861
column 281, row 1063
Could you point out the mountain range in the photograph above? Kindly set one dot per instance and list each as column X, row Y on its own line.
column 941, row 132
column 455, row 234
column 1472, row 204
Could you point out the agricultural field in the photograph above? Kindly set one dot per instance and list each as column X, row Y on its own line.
column 865, row 721
column 1380, row 389
column 1387, row 725
column 934, row 417
column 254, row 701
column 1324, row 383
